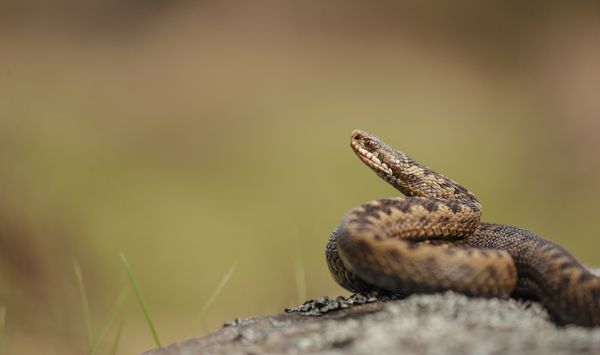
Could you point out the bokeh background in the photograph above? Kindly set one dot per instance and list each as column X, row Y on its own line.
column 192, row 135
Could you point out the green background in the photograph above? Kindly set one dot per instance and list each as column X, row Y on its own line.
column 192, row 136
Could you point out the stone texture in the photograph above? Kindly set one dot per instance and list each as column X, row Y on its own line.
column 446, row 323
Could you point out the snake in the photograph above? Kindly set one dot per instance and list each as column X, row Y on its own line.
column 432, row 240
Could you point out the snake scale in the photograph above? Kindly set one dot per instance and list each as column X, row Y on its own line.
column 432, row 240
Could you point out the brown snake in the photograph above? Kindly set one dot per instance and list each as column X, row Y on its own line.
column 433, row 240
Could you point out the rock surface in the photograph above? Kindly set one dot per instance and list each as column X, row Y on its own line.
column 446, row 323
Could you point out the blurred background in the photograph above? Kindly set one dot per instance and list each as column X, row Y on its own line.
column 193, row 135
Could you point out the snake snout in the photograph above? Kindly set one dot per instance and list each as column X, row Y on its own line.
column 368, row 148
column 357, row 134
column 364, row 142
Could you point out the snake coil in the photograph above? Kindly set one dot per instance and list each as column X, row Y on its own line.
column 432, row 240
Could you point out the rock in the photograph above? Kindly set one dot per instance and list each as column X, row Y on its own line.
column 447, row 323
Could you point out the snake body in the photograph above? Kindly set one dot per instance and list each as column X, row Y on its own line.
column 432, row 240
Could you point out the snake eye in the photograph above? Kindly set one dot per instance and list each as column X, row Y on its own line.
column 371, row 144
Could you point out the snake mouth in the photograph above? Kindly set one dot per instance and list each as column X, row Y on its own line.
column 366, row 147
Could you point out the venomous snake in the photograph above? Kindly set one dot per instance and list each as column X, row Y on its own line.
column 432, row 240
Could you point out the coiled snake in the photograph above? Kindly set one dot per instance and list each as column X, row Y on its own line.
column 433, row 240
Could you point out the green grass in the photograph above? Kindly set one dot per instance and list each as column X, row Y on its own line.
column 212, row 298
column 299, row 273
column 118, row 304
column 300, row 278
column 84, row 302
column 2, row 326
column 140, row 299
column 112, row 314
column 115, row 346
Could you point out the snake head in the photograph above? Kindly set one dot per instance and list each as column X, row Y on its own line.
column 403, row 172
column 372, row 151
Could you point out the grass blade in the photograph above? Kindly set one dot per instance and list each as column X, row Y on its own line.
column 138, row 295
column 300, row 278
column 2, row 326
column 212, row 298
column 84, row 302
column 112, row 314
column 115, row 346
column 299, row 271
